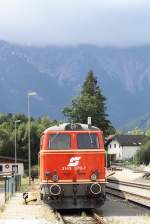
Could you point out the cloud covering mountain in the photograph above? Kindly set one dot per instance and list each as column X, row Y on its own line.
column 98, row 22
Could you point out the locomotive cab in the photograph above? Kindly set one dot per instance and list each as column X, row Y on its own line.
column 72, row 166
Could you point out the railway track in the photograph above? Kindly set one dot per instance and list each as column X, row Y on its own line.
column 83, row 218
column 133, row 197
column 131, row 184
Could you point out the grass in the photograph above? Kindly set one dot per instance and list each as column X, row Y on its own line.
column 115, row 221
column 2, row 207
column 147, row 218
column 25, row 187
column 2, row 197
column 2, row 182
column 31, row 189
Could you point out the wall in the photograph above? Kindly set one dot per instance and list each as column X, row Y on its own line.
column 129, row 151
column 115, row 149
column 121, row 152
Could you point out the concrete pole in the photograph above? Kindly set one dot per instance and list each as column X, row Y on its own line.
column 29, row 138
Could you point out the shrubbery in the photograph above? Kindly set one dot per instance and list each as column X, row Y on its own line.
column 7, row 135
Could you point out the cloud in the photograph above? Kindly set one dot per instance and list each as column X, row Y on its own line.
column 101, row 22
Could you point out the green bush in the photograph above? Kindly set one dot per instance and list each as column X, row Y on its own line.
column 143, row 155
column 35, row 171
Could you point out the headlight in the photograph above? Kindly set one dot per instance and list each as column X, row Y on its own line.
column 55, row 178
column 93, row 177
column 55, row 189
column 95, row 188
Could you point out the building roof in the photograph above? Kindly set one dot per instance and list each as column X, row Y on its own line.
column 129, row 140
column 13, row 159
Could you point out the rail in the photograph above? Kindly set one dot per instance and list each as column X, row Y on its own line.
column 130, row 196
column 131, row 167
column 90, row 217
column 137, row 185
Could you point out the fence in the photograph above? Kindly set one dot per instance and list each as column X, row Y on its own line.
column 10, row 186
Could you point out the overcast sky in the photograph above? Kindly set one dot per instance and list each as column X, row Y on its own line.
column 100, row 22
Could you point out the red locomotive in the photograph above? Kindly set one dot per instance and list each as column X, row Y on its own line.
column 72, row 166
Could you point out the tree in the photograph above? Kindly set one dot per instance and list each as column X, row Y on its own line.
column 89, row 103
column 7, row 135
column 143, row 155
column 5, row 142
column 148, row 133
column 136, row 131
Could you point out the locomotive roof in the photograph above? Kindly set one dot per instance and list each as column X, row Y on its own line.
column 71, row 127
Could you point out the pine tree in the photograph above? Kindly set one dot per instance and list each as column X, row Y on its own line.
column 89, row 103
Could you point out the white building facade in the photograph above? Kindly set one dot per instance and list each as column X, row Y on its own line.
column 122, row 147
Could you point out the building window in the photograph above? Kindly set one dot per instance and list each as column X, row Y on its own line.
column 110, row 146
column 15, row 168
column 114, row 145
column 1, row 168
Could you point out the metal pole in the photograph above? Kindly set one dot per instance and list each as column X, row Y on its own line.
column 5, row 189
column 15, row 149
column 29, row 146
column 29, row 124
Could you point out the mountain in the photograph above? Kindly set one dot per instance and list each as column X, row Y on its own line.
column 56, row 73
column 142, row 122
column 18, row 77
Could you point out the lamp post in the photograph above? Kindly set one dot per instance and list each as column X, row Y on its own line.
column 29, row 144
column 17, row 121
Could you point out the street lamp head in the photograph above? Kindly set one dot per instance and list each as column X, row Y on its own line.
column 32, row 94
column 17, row 121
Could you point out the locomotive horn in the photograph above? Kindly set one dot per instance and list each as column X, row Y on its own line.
column 89, row 122
column 95, row 188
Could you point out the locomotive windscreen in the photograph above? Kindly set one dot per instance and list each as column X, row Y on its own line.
column 87, row 141
column 59, row 141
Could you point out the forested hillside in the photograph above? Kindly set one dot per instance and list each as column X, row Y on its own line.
column 56, row 73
